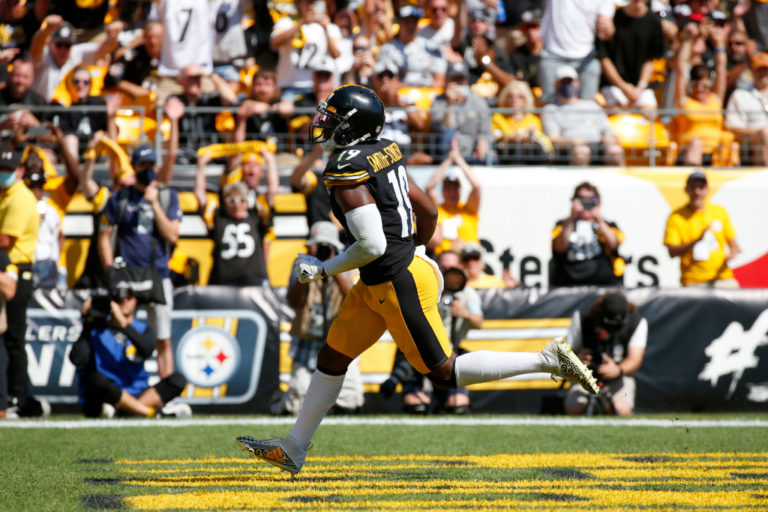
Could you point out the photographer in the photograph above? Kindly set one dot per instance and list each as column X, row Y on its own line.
column 316, row 304
column 585, row 245
column 110, row 359
column 461, row 310
column 610, row 338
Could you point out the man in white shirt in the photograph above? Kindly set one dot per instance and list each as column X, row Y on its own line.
column 54, row 52
column 569, row 29
column 302, row 45
column 747, row 113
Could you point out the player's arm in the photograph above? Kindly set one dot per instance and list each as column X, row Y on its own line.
column 364, row 222
column 425, row 210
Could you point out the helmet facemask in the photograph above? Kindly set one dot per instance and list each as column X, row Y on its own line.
column 325, row 126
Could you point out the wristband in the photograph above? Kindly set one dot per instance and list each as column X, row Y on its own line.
column 719, row 49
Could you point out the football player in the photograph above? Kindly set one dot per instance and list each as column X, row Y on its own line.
column 377, row 202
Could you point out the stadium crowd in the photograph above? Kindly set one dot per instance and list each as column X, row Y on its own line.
column 466, row 82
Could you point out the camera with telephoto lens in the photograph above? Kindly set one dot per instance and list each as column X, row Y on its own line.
column 324, row 251
column 454, row 279
column 100, row 312
column 588, row 202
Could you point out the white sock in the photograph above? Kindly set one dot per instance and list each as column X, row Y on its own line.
column 487, row 366
column 322, row 393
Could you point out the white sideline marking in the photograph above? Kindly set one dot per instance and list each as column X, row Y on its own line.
column 414, row 422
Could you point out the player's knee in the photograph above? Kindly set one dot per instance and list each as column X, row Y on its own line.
column 332, row 362
column 170, row 387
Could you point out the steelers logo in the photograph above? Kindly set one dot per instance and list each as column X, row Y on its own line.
column 208, row 356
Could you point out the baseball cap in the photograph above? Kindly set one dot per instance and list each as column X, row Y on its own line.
column 457, row 69
column 452, row 174
column 615, row 309
column 325, row 64
column 531, row 17
column 482, row 14
column 143, row 154
column 65, row 33
column 9, row 160
column 759, row 60
column 383, row 66
column 697, row 175
column 410, row 11
column 566, row 71
column 324, row 232
column 471, row 250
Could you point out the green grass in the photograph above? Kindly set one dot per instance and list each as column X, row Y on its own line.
column 76, row 469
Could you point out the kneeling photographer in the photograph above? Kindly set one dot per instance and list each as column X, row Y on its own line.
column 610, row 338
column 110, row 358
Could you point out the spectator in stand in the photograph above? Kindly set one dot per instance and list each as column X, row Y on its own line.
column 569, row 30
column 609, row 337
column 525, row 58
column 187, row 37
column 307, row 179
column 701, row 234
column 146, row 218
column 459, row 113
column 627, row 58
column 418, row 61
column 9, row 275
column 346, row 19
column 229, row 49
column 19, row 225
column 579, row 128
column 238, row 233
column 302, row 44
column 585, row 246
column 134, row 67
column 362, row 63
column 700, row 125
column 399, row 125
column 736, row 49
column 200, row 129
column 18, row 22
column 79, row 126
column 441, row 26
column 747, row 114
column 457, row 220
column 18, row 91
column 378, row 21
column 323, row 83
column 54, row 52
column 518, row 134
column 316, row 305
column 755, row 15
column 478, row 277
column 263, row 116
column 479, row 51
column 53, row 194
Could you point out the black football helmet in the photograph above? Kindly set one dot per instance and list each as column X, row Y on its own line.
column 351, row 114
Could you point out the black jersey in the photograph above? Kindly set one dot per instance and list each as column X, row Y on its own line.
column 379, row 164
column 238, row 255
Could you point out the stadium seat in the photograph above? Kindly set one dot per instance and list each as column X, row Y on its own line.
column 635, row 133
column 726, row 154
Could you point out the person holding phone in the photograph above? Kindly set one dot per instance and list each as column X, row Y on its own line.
column 585, row 245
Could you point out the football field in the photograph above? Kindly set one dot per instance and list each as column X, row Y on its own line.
column 479, row 462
